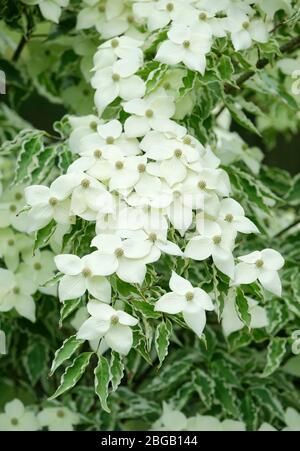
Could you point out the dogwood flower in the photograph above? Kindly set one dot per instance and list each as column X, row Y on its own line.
column 232, row 215
column 262, row 265
column 231, row 322
column 159, row 13
column 16, row 292
column 11, row 245
column 16, row 417
column 112, row 325
column 50, row 9
column 186, row 45
column 152, row 112
column 39, row 267
column 243, row 30
column 81, row 126
column 83, row 274
column 127, row 256
column 122, row 47
column 12, row 202
column 58, row 418
column 216, row 242
column 184, row 298
column 292, row 420
column 118, row 81
column 47, row 204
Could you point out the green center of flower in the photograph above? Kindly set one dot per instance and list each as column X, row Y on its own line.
column 93, row 125
column 203, row 16
column 11, row 242
column 12, row 208
column 130, row 19
column 114, row 320
column 115, row 77
column 53, row 201
column 119, row 165
column 98, row 154
column 152, row 237
column 14, row 421
column 60, row 413
column 110, row 140
column 186, row 44
column 119, row 252
column 85, row 183
column 246, row 25
column 178, row 153
column 141, row 168
column 229, row 217
column 176, row 194
column 149, row 114
column 259, row 263
column 86, row 272
column 167, row 85
column 37, row 266
column 217, row 239
column 18, row 196
column 102, row 8
column 202, row 185
column 187, row 140
column 189, row 296
column 16, row 290
column 114, row 43
column 170, row 7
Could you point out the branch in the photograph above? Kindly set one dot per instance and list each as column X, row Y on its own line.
column 288, row 228
column 288, row 47
column 21, row 45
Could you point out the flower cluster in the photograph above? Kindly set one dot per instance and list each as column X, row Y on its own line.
column 138, row 176
column 17, row 417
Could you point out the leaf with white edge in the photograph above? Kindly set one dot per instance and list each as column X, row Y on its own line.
column 73, row 373
column 43, row 235
column 225, row 68
column 116, row 370
column 68, row 308
column 242, row 307
column 28, row 156
column 102, row 378
column 53, row 280
column 226, row 397
column 205, row 387
column 65, row 352
column 162, row 340
column 275, row 353
column 268, row 400
column 240, row 117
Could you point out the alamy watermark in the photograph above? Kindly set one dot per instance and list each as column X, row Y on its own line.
column 2, row 82
column 296, row 83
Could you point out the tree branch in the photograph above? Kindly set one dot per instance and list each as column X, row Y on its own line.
column 21, row 45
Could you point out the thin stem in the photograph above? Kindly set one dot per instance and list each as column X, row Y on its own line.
column 288, row 228
column 21, row 45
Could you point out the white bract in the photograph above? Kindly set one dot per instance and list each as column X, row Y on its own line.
column 18, row 418
column 50, row 9
column 243, row 29
column 114, row 326
column 263, row 266
column 84, row 274
column 184, row 298
column 58, row 418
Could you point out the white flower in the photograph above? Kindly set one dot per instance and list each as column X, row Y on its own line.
column 209, row 423
column 152, row 112
column 191, row 302
column 83, row 274
column 47, row 204
column 11, row 245
column 243, row 30
column 186, row 45
column 171, row 420
column 16, row 291
column 262, row 265
column 50, row 9
column 58, row 418
column 159, row 13
column 17, row 418
column 112, row 325
column 12, row 202
column 122, row 47
column 118, row 81
column 39, row 267
column 215, row 242
column 232, row 215
column 206, row 182
column 126, row 256
column 232, row 323
column 82, row 126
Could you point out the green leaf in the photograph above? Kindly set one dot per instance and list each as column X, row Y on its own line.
column 28, row 156
column 145, row 308
column 268, row 401
column 275, row 353
column 53, row 280
column 102, row 378
column 116, row 370
column 242, row 307
column 250, row 412
column 68, row 308
column 205, row 387
column 65, row 352
column 292, row 366
column 225, row 68
column 240, row 117
column 73, row 373
column 35, row 360
column 162, row 340
column 226, row 398
column 43, row 235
